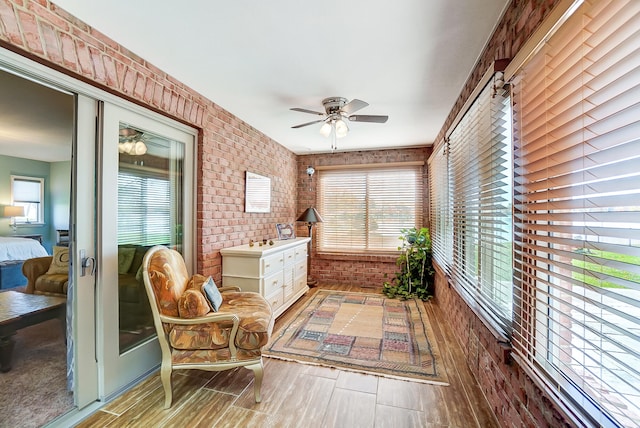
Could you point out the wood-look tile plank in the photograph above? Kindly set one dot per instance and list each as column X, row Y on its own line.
column 231, row 381
column 402, row 394
column 357, row 382
column 139, row 392
column 352, row 409
column 151, row 411
column 99, row 419
column 300, row 398
column 236, row 417
column 204, row 409
column 388, row 416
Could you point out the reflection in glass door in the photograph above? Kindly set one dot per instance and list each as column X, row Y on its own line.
column 146, row 200
column 150, row 212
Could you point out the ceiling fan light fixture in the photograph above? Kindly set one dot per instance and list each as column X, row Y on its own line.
column 325, row 130
column 341, row 128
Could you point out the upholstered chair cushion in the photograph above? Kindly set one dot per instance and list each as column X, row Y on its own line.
column 169, row 277
column 256, row 325
column 193, row 304
column 57, row 283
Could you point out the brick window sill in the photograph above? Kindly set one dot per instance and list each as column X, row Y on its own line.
column 361, row 257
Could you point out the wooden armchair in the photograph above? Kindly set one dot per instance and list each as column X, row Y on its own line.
column 194, row 336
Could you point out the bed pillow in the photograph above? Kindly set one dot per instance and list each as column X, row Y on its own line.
column 211, row 292
column 60, row 261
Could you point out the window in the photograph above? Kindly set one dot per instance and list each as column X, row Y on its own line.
column 481, row 186
column 28, row 192
column 365, row 208
column 577, row 212
column 440, row 213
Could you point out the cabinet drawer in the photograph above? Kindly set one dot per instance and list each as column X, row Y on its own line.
column 300, row 283
column 272, row 264
column 273, row 282
column 301, row 252
column 275, row 299
column 289, row 256
column 300, row 269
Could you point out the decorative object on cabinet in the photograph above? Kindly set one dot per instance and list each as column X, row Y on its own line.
column 285, row 231
column 13, row 211
column 278, row 271
column 202, row 339
column 257, row 193
column 311, row 217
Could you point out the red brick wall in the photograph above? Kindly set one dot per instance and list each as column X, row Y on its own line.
column 514, row 397
column 227, row 146
column 350, row 269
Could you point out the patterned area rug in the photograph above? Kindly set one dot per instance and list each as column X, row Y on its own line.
column 362, row 332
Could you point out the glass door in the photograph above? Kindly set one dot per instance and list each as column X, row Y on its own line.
column 146, row 200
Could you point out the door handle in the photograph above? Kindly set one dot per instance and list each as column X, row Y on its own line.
column 85, row 262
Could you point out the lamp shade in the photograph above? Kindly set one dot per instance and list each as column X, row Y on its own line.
column 310, row 215
column 13, row 211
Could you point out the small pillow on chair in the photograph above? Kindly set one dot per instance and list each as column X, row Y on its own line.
column 193, row 304
column 211, row 292
column 60, row 261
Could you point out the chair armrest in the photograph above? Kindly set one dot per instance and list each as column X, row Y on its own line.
column 209, row 318
column 33, row 269
column 229, row 288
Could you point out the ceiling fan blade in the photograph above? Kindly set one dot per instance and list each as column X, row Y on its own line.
column 353, row 106
column 304, row 110
column 368, row 118
column 308, row 123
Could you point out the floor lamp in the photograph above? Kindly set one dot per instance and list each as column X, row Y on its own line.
column 311, row 217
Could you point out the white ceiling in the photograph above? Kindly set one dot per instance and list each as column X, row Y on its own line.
column 408, row 59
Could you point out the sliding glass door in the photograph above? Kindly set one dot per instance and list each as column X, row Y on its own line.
column 146, row 200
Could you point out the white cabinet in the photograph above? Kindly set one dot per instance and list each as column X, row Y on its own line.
column 278, row 272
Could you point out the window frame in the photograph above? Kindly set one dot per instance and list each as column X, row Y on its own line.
column 37, row 204
column 361, row 172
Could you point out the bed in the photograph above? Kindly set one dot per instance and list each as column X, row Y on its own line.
column 13, row 251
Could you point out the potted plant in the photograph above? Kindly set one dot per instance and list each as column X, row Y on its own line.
column 415, row 276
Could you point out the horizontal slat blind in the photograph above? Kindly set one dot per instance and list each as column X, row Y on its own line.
column 366, row 208
column 480, row 171
column 440, row 213
column 577, row 211
column 144, row 208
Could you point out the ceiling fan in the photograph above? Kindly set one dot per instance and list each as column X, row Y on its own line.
column 337, row 109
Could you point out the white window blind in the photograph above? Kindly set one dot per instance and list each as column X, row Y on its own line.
column 144, row 208
column 440, row 212
column 28, row 192
column 365, row 208
column 480, row 171
column 577, row 212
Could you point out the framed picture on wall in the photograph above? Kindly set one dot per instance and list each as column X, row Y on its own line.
column 285, row 231
column 257, row 193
